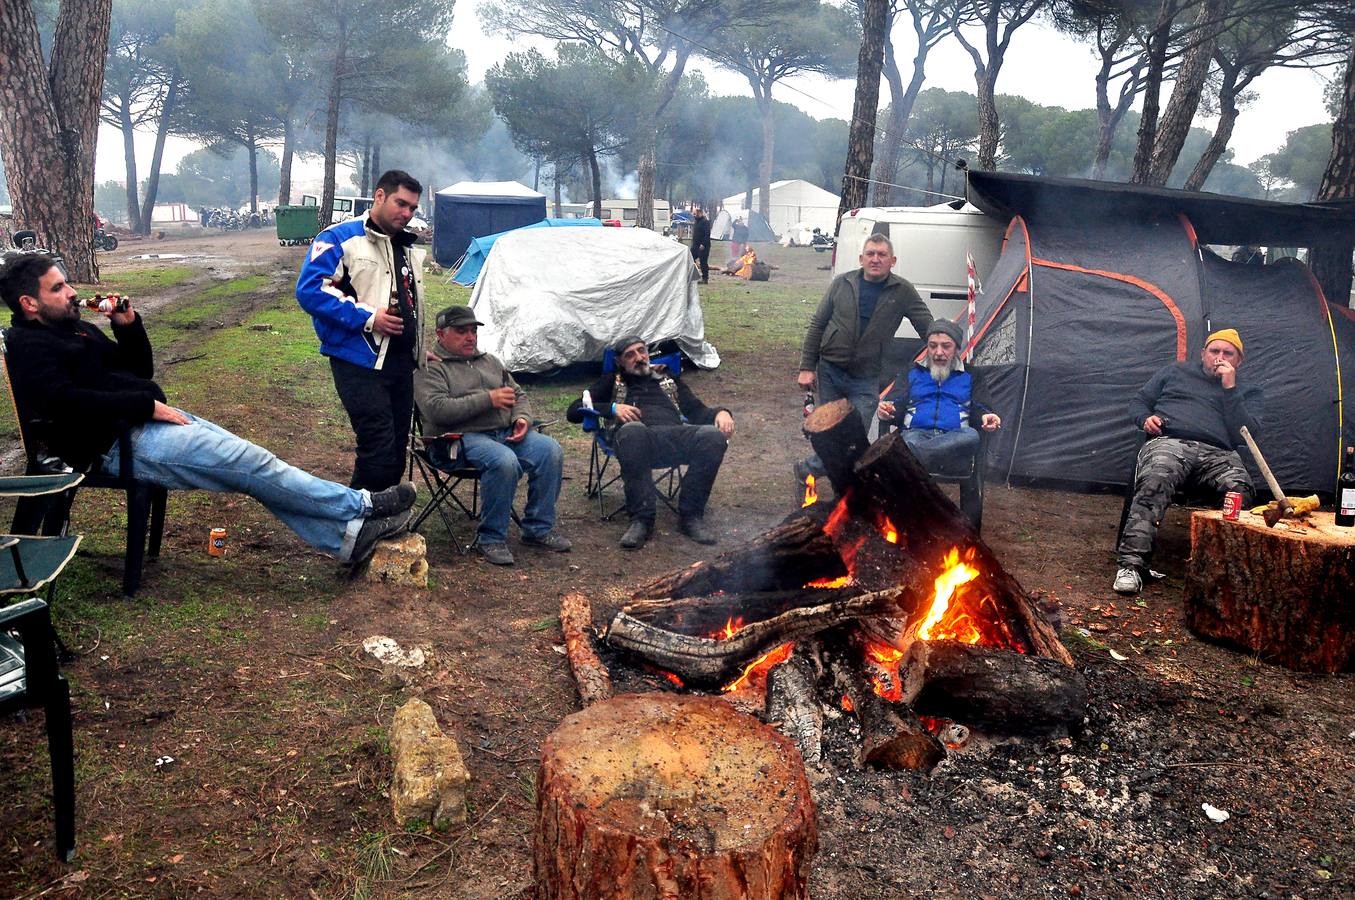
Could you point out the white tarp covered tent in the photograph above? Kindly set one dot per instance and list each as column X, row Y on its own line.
column 794, row 202
column 554, row 296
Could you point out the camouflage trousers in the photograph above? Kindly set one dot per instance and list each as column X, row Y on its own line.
column 1165, row 466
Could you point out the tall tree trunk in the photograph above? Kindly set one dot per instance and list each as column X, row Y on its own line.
column 901, row 102
column 763, row 94
column 861, row 136
column 1158, row 40
column 129, row 159
column 596, row 171
column 1108, row 117
column 325, row 211
column 376, row 170
column 1185, row 98
column 252, row 148
column 990, row 126
column 285, row 176
column 1223, row 132
column 1331, row 262
column 158, row 155
column 649, row 136
column 555, row 177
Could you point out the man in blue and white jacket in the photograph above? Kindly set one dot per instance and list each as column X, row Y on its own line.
column 936, row 397
column 363, row 286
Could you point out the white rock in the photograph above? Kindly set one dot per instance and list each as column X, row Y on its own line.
column 1215, row 814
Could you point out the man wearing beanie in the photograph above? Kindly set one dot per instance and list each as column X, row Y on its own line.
column 655, row 420
column 936, row 397
column 1192, row 413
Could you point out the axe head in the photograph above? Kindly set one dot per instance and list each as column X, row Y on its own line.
column 1277, row 512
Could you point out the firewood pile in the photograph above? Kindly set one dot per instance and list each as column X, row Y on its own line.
column 885, row 605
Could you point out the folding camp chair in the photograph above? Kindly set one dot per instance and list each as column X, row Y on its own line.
column 667, row 481
column 30, row 678
column 51, row 515
column 443, row 469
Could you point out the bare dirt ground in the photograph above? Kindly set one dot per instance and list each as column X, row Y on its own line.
column 249, row 672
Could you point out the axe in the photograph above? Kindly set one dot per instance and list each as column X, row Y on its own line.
column 1282, row 504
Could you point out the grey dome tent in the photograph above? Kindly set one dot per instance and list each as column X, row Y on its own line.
column 1099, row 285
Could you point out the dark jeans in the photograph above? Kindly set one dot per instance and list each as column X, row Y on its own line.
column 701, row 253
column 640, row 449
column 380, row 405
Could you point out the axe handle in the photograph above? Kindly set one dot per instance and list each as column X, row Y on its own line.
column 1265, row 469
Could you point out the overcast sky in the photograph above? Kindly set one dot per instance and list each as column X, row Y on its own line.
column 1042, row 65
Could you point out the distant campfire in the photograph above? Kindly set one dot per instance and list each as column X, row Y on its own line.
column 886, row 605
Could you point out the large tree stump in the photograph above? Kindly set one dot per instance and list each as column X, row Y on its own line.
column 659, row 795
column 1284, row 593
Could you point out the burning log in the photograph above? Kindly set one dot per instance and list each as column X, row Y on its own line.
column 659, row 795
column 648, row 630
column 793, row 706
column 576, row 620
column 789, row 556
column 996, row 689
column 892, row 737
column 838, row 436
column 1282, row 593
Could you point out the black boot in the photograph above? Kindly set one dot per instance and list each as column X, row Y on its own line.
column 636, row 535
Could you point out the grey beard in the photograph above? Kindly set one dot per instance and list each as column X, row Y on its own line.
column 941, row 373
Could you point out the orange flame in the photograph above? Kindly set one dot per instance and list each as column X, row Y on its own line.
column 811, row 495
column 760, row 666
column 672, row 677
column 838, row 582
column 732, row 626
column 887, row 657
column 942, row 623
column 847, row 704
column 887, row 529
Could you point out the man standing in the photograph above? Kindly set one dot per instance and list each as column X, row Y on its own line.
column 363, row 286
column 848, row 333
column 470, row 392
column 1193, row 413
column 936, row 397
column 656, row 420
column 701, row 242
column 79, row 389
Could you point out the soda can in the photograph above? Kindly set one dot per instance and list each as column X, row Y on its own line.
column 216, row 542
column 1232, row 505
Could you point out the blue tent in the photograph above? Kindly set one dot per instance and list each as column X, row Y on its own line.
column 471, row 209
column 478, row 251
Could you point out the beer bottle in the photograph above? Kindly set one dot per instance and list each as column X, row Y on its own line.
column 1345, row 491
column 809, row 402
column 107, row 304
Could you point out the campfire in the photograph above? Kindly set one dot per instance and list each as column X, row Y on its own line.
column 886, row 605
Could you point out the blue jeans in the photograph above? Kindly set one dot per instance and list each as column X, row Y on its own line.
column 836, row 383
column 501, row 464
column 205, row 456
column 944, row 452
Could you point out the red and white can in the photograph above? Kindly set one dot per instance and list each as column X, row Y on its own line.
column 1232, row 505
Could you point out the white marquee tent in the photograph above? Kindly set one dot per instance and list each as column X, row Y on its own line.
column 794, row 202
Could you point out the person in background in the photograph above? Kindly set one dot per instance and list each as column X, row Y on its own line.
column 701, row 242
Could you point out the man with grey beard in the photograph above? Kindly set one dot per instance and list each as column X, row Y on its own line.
column 936, row 396
column 655, row 420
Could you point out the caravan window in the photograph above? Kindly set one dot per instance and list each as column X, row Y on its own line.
column 628, row 214
column 345, row 206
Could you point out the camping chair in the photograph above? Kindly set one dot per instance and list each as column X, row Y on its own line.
column 667, row 481
column 51, row 515
column 443, row 469
column 30, row 678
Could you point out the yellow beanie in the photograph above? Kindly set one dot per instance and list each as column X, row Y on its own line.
column 1226, row 334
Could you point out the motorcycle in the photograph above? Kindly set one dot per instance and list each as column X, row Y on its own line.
column 104, row 240
column 822, row 242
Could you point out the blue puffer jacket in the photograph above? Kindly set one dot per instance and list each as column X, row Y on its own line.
column 929, row 406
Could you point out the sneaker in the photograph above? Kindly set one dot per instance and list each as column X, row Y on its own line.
column 551, row 540
column 1128, row 580
column 393, row 500
column 376, row 528
column 497, row 553
column 637, row 534
column 695, row 527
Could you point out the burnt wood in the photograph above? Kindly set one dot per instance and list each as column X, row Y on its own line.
column 590, row 674
column 793, row 705
column 892, row 737
column 838, row 436
column 998, row 690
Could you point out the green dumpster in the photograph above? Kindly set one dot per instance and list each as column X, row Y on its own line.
column 296, row 224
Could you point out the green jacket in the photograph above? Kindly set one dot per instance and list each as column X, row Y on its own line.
column 453, row 394
column 834, row 329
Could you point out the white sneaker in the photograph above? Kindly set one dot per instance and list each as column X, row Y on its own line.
column 1128, row 580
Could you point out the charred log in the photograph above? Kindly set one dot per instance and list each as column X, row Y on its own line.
column 659, row 795
column 591, row 676
column 998, row 690
column 838, row 436
column 789, row 556
column 711, row 662
column 793, row 706
column 892, row 737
